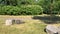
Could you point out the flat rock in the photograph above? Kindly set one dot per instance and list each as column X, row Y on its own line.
column 8, row 22
column 19, row 21
column 58, row 30
column 13, row 21
column 50, row 29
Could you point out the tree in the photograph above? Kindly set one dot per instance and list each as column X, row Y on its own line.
column 9, row 2
column 50, row 6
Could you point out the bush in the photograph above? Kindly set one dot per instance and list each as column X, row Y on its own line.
column 9, row 10
column 32, row 9
column 23, row 10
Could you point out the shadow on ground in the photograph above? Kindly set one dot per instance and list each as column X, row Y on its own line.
column 52, row 19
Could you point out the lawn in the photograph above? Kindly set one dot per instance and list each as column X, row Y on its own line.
column 31, row 26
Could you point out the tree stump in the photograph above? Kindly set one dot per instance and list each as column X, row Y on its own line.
column 51, row 29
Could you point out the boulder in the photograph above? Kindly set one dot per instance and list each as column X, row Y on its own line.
column 58, row 30
column 50, row 29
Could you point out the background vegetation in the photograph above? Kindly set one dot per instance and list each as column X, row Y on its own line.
column 29, row 7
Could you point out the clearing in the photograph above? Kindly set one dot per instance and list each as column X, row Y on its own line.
column 32, row 25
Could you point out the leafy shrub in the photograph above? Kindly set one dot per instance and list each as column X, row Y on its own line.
column 32, row 9
column 9, row 10
column 25, row 2
column 23, row 10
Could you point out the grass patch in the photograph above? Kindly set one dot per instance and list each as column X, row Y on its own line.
column 35, row 28
column 29, row 27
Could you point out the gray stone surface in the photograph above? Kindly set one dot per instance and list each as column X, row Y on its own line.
column 51, row 29
column 13, row 21
column 18, row 21
column 58, row 30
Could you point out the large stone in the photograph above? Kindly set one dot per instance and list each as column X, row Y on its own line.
column 51, row 29
column 9, row 22
column 58, row 30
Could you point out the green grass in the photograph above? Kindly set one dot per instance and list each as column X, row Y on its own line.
column 29, row 27
column 34, row 28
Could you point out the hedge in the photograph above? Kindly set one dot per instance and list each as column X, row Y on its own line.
column 22, row 10
column 32, row 9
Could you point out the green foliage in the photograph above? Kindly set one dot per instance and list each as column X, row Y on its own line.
column 22, row 10
column 32, row 9
column 49, row 6
column 56, row 6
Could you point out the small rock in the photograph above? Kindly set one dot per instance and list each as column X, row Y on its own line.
column 19, row 21
column 9, row 22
